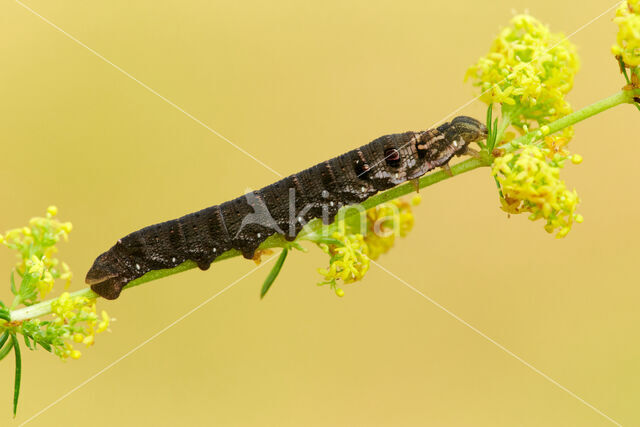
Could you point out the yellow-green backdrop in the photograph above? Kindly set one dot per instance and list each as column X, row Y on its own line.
column 294, row 83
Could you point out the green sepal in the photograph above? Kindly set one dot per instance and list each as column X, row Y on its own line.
column 274, row 272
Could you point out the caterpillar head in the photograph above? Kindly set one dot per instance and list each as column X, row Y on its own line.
column 467, row 129
column 104, row 276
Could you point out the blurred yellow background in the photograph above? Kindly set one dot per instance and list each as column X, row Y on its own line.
column 293, row 84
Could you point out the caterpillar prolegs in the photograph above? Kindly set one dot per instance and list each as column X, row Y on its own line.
column 283, row 207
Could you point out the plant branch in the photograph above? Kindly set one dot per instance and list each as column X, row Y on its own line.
column 277, row 241
column 622, row 97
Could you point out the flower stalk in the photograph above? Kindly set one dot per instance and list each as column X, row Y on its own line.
column 619, row 98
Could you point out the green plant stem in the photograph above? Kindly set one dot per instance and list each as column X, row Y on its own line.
column 622, row 97
column 277, row 241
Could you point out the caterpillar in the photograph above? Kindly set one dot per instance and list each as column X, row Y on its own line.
column 283, row 207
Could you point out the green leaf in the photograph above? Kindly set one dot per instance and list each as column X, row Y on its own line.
column 489, row 116
column 623, row 70
column 44, row 345
column 13, row 283
column 328, row 241
column 298, row 246
column 488, row 125
column 274, row 272
column 4, row 338
column 16, row 384
column 494, row 135
column 4, row 314
column 499, row 187
column 6, row 350
column 27, row 342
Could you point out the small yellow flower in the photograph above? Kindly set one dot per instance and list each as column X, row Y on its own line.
column 556, row 144
column 45, row 284
column 104, row 324
column 52, row 211
column 36, row 266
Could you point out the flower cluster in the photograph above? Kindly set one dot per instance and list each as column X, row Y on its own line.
column 352, row 248
column 528, row 70
column 531, row 183
column 349, row 260
column 385, row 222
column 627, row 45
column 36, row 246
column 74, row 317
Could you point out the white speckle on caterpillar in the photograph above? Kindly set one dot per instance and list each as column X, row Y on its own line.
column 214, row 249
column 397, row 175
column 364, row 190
column 455, row 143
column 330, row 203
column 258, row 235
column 137, row 266
column 173, row 259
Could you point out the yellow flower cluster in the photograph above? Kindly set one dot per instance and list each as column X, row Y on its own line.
column 36, row 250
column 349, row 261
column 528, row 70
column 75, row 319
column 531, row 183
column 351, row 252
column 628, row 41
column 385, row 222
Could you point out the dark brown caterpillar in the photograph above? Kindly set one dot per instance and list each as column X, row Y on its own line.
column 282, row 207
